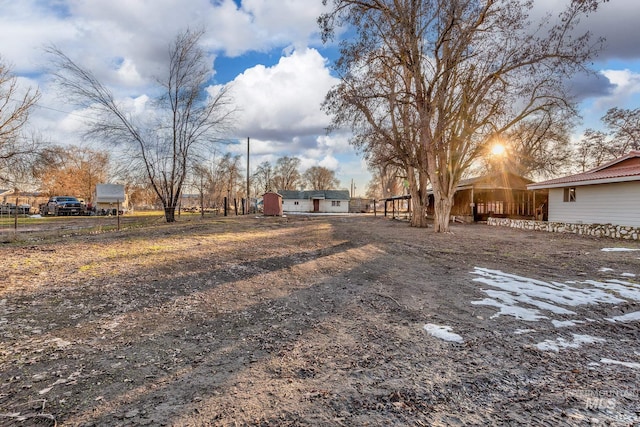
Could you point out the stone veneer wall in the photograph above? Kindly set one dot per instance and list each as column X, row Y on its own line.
column 597, row 230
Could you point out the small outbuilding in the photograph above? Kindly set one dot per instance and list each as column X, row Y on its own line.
column 608, row 194
column 272, row 204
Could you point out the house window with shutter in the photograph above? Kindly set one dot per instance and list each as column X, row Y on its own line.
column 569, row 194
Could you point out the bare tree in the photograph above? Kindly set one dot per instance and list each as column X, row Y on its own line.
column 320, row 178
column 621, row 135
column 187, row 117
column 385, row 182
column 263, row 178
column 15, row 106
column 458, row 73
column 286, row 174
column 535, row 149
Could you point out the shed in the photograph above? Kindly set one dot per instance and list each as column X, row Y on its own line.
column 607, row 194
column 272, row 204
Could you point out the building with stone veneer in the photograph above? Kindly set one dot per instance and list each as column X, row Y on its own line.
column 608, row 194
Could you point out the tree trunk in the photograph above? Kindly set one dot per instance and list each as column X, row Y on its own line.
column 170, row 213
column 419, row 207
column 442, row 210
column 419, row 218
column 419, row 198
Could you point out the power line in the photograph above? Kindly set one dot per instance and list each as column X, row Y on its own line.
column 55, row 109
column 64, row 112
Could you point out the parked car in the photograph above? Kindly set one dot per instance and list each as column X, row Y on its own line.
column 10, row 209
column 62, row 205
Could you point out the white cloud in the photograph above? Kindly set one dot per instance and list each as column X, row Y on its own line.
column 284, row 100
column 286, row 21
column 329, row 162
column 626, row 85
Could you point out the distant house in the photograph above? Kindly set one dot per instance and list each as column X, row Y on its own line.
column 327, row 201
column 608, row 194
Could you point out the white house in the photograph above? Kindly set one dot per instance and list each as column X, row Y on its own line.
column 608, row 194
column 327, row 201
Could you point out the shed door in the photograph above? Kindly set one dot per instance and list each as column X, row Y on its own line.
column 316, row 205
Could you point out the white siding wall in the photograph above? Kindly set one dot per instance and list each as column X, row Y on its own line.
column 304, row 205
column 617, row 203
column 326, row 206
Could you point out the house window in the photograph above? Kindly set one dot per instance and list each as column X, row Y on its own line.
column 295, row 203
column 335, row 203
column 569, row 194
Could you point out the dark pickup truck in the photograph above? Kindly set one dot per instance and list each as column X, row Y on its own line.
column 63, row 205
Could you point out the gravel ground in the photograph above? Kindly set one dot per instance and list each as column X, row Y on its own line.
column 315, row 321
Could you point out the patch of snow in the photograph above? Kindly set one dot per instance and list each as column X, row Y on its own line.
column 576, row 342
column 628, row 275
column 629, row 317
column 565, row 323
column 516, row 291
column 35, row 216
column 618, row 249
column 605, row 269
column 621, row 287
column 443, row 332
column 526, row 314
column 617, row 362
column 593, row 364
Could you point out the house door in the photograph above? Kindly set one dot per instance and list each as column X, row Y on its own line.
column 316, row 205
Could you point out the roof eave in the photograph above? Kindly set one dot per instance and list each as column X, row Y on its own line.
column 583, row 183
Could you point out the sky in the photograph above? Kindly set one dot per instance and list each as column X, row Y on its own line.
column 270, row 55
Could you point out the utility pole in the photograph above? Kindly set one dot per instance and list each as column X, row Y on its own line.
column 248, row 198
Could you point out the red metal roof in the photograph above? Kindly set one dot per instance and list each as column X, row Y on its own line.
column 626, row 168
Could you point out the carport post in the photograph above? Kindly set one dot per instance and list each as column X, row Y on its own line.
column 15, row 216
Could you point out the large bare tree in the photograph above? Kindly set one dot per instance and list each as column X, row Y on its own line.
column 165, row 143
column 262, row 178
column 320, row 178
column 447, row 77
column 15, row 105
column 286, row 173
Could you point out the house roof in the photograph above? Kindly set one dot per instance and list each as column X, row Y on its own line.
column 492, row 181
column 623, row 169
column 497, row 180
column 315, row 194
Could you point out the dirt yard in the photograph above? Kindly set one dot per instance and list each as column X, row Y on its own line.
column 319, row 321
